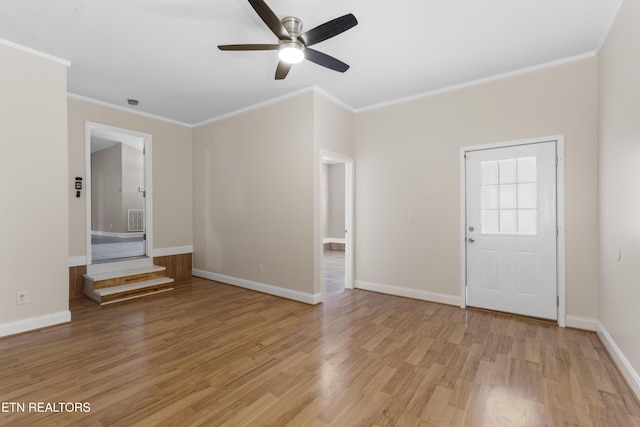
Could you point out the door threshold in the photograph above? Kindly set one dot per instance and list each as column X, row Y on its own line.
column 106, row 261
column 518, row 316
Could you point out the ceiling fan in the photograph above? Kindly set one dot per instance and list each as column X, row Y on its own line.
column 293, row 46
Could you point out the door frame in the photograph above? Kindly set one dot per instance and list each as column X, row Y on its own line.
column 349, row 216
column 148, row 200
column 560, row 217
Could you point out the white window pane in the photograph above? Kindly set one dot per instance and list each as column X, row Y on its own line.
column 490, row 173
column 527, row 169
column 508, row 196
column 527, row 196
column 489, row 197
column 507, row 171
column 508, row 222
column 489, row 222
column 528, row 221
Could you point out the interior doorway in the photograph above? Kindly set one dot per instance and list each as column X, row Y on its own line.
column 118, row 194
column 337, row 224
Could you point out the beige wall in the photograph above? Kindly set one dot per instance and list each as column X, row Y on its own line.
column 106, row 179
column 116, row 174
column 333, row 133
column 335, row 208
column 132, row 179
column 619, row 294
column 253, row 195
column 35, row 187
column 171, row 169
column 333, row 126
column 408, row 161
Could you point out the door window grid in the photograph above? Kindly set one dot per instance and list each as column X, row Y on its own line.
column 509, row 197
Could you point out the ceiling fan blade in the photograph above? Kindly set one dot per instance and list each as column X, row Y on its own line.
column 270, row 18
column 282, row 70
column 325, row 60
column 329, row 29
column 248, row 47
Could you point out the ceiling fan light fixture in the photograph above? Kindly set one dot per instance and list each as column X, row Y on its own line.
column 291, row 52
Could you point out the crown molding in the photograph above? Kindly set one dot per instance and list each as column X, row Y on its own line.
column 255, row 106
column 125, row 109
column 479, row 81
column 608, row 25
column 35, row 52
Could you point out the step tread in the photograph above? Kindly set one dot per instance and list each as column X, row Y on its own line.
column 96, row 277
column 132, row 286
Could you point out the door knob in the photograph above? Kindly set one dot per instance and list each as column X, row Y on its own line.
column 470, row 240
column 471, row 228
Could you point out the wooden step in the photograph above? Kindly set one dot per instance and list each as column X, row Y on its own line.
column 117, row 278
column 111, row 286
column 130, row 290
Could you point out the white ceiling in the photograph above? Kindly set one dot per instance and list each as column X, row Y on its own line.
column 164, row 52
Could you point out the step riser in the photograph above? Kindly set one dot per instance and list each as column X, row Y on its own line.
column 107, row 299
column 114, row 286
column 101, row 284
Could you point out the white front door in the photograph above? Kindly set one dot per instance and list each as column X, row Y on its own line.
column 511, row 229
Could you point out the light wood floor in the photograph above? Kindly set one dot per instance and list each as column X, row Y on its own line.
column 333, row 273
column 211, row 354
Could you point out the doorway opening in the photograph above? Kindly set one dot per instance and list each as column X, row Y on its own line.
column 118, row 194
column 337, row 223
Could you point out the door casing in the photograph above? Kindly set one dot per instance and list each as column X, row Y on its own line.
column 560, row 241
column 148, row 201
column 349, row 218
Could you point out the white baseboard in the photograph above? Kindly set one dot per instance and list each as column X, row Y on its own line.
column 176, row 250
column 632, row 377
column 334, row 240
column 409, row 292
column 126, row 235
column 578, row 322
column 77, row 261
column 260, row 287
column 33, row 323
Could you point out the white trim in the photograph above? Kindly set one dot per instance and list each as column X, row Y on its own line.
column 408, row 292
column 584, row 323
column 333, row 240
column 33, row 323
column 560, row 219
column 176, row 250
column 260, row 287
column 77, row 261
column 349, row 195
column 334, row 99
column 560, row 240
column 120, row 235
column 255, row 106
column 478, row 82
column 632, row 377
column 35, row 52
column 148, row 183
column 608, row 25
column 126, row 109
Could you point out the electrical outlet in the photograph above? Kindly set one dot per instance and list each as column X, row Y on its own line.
column 260, row 269
column 412, row 217
column 22, row 297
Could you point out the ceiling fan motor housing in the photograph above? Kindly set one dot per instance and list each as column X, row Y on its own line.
column 293, row 26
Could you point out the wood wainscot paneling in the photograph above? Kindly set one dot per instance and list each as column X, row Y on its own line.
column 333, row 246
column 178, row 266
column 76, row 281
